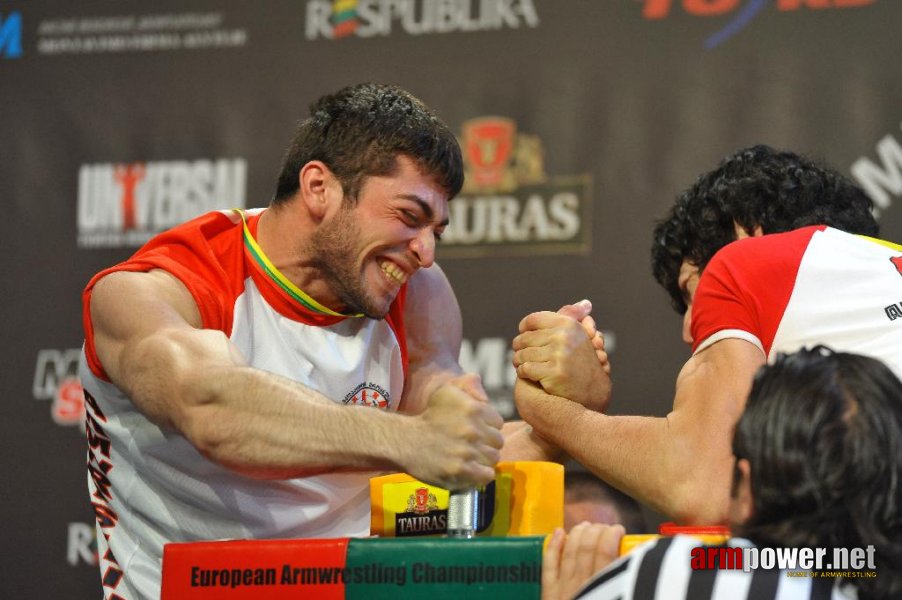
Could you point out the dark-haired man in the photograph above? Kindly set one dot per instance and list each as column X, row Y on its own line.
column 817, row 466
column 246, row 372
column 792, row 279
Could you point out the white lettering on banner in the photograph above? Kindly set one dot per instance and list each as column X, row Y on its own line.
column 52, row 368
column 879, row 181
column 369, row 18
column 56, row 379
column 792, row 559
column 126, row 204
column 494, row 219
column 81, row 546
column 491, row 359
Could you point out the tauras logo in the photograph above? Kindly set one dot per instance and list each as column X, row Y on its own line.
column 56, row 379
column 881, row 180
column 127, row 204
column 368, row 18
column 509, row 204
column 410, row 524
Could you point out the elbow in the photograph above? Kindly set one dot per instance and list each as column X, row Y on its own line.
column 702, row 501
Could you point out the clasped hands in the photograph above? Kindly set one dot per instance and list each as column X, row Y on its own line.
column 561, row 354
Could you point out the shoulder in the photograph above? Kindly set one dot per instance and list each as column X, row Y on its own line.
column 760, row 253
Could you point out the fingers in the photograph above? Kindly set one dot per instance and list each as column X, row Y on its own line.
column 587, row 548
column 532, row 354
column 578, row 311
column 471, row 383
column 492, row 417
column 588, row 325
column 608, row 549
column 551, row 565
column 583, row 550
column 535, row 371
column 544, row 320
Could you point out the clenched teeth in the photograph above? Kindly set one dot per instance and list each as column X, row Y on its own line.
column 394, row 272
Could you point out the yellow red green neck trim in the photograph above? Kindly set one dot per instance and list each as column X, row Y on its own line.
column 293, row 291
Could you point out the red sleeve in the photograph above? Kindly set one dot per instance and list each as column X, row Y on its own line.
column 395, row 318
column 744, row 290
column 205, row 254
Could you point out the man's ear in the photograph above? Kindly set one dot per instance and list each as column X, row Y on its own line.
column 742, row 504
column 318, row 188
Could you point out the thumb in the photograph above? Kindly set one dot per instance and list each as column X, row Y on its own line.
column 579, row 311
column 471, row 383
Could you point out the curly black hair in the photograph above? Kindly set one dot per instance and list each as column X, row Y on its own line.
column 757, row 186
column 360, row 131
column 822, row 431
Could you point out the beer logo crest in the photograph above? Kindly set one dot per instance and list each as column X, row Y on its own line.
column 509, row 205
column 421, row 501
column 497, row 158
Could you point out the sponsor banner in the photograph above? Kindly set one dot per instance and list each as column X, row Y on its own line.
column 336, row 19
column 137, row 33
column 11, row 35
column 491, row 568
column 124, row 205
column 56, row 379
column 81, row 545
column 509, row 205
column 881, row 179
column 741, row 13
column 801, row 562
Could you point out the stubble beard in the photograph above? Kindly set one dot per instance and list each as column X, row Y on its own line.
column 333, row 251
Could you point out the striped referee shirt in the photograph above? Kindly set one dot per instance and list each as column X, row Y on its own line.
column 661, row 570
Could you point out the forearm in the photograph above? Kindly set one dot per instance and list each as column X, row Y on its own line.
column 267, row 426
column 647, row 457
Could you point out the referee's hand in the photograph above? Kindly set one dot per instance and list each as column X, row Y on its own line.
column 571, row 559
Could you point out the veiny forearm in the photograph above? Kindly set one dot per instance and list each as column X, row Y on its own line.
column 646, row 457
column 267, row 426
column 251, row 420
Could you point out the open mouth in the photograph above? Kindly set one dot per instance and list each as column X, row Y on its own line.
column 393, row 272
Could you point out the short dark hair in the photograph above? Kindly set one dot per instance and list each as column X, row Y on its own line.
column 822, row 431
column 757, row 186
column 360, row 131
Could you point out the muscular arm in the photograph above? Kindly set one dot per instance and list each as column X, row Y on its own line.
column 681, row 464
column 434, row 335
column 148, row 338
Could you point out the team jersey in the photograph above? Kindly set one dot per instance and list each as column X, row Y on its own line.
column 814, row 285
column 150, row 486
column 662, row 570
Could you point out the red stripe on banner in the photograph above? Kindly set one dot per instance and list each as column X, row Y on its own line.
column 250, row 570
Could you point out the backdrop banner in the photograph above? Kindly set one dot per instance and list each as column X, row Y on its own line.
column 580, row 122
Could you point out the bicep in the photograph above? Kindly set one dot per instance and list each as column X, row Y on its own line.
column 434, row 333
column 147, row 336
column 711, row 393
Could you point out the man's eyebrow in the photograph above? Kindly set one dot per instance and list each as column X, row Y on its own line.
column 424, row 206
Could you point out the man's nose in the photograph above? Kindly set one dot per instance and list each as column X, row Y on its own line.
column 687, row 326
column 423, row 247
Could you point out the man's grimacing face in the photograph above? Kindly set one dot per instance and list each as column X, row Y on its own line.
column 369, row 249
